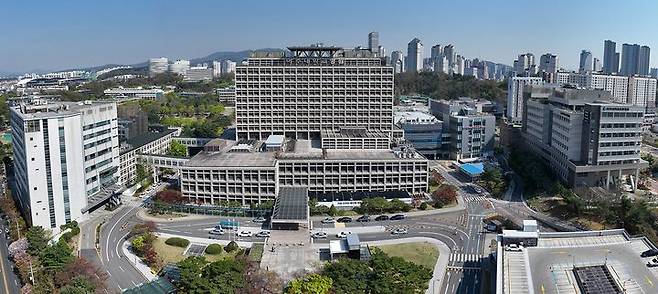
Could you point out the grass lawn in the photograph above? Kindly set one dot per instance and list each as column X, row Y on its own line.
column 421, row 253
column 173, row 254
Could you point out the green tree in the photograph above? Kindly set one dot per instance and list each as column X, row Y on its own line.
column 56, row 256
column 37, row 239
column 79, row 285
column 311, row 284
column 177, row 149
column 396, row 275
column 190, row 274
column 225, row 276
column 348, row 275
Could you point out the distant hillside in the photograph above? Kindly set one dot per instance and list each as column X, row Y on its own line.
column 232, row 55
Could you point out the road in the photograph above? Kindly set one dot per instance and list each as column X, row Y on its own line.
column 462, row 231
column 10, row 282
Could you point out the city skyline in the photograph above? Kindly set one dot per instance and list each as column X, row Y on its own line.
column 45, row 42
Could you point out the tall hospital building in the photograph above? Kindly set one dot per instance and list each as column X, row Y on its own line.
column 319, row 119
column 587, row 139
column 65, row 159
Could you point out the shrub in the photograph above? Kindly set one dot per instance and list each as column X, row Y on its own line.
column 214, row 249
column 178, row 242
column 423, row 206
column 231, row 247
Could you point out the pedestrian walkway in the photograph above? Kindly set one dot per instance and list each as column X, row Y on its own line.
column 463, row 257
column 477, row 199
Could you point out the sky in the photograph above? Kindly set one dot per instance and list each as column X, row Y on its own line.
column 53, row 35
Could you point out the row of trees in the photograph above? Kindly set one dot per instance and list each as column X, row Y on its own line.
column 443, row 86
column 493, row 180
column 52, row 268
column 142, row 244
column 381, row 274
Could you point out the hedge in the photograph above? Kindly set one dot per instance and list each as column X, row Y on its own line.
column 214, row 249
column 232, row 246
column 178, row 242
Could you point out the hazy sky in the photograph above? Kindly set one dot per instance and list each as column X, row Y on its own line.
column 49, row 35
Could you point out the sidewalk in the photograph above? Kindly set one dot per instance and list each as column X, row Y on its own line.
column 355, row 230
column 139, row 265
column 458, row 207
column 143, row 215
column 441, row 264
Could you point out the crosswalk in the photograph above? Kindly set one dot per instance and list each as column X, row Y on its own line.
column 478, row 199
column 463, row 257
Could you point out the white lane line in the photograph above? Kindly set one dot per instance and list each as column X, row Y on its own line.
column 107, row 244
column 134, row 283
column 120, row 289
column 121, row 269
column 120, row 243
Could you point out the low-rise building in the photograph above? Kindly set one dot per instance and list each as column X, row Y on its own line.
column 134, row 93
column 147, row 143
column 422, row 130
column 227, row 95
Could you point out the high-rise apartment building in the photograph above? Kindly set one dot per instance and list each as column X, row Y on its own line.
column 158, row 66
column 585, row 61
column 66, row 159
column 216, row 69
column 525, row 65
column 228, row 66
column 630, row 56
column 397, row 61
column 318, row 89
column 548, row 66
column 643, row 61
column 436, row 51
column 596, row 65
column 515, row 87
column 634, row 90
column 610, row 57
column 373, row 41
column 414, row 55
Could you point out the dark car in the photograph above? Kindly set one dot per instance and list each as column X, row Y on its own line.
column 398, row 217
column 650, row 252
column 344, row 219
column 363, row 219
column 381, row 218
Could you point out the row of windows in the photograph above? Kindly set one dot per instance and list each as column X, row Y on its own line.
column 622, row 114
column 619, row 144
column 620, row 125
column 96, row 125
column 313, row 70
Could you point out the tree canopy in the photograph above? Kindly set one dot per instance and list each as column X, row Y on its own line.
column 443, row 86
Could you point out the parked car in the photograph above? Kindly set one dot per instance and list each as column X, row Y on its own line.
column 244, row 234
column 398, row 217
column 363, row 219
column 328, row 220
column 652, row 263
column 513, row 247
column 259, row 219
column 217, row 232
column 343, row 234
column 263, row 234
column 381, row 218
column 345, row 219
column 319, row 235
column 650, row 252
column 399, row 231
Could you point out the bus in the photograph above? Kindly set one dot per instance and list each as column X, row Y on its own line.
column 227, row 225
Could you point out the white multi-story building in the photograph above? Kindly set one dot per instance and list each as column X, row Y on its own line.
column 515, row 95
column 633, row 90
column 198, row 73
column 227, row 95
column 397, row 61
column 158, row 65
column 179, row 67
column 66, row 159
column 302, row 97
column 216, row 69
column 586, row 138
column 134, row 93
column 150, row 143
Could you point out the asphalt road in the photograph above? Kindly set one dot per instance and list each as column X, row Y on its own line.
column 10, row 283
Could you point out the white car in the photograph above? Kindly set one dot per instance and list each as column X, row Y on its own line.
column 513, row 247
column 263, row 234
column 399, row 231
column 217, row 232
column 328, row 220
column 259, row 219
column 244, row 234
column 343, row 234
column 319, row 235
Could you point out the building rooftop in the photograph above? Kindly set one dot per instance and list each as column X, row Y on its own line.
column 414, row 117
column 291, row 205
column 598, row 258
column 45, row 109
column 143, row 139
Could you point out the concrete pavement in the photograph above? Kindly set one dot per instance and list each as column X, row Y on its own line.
column 10, row 281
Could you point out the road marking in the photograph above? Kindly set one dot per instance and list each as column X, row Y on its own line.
column 107, row 244
column 133, row 283
column 648, row 280
column 4, row 273
column 542, row 289
column 122, row 269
